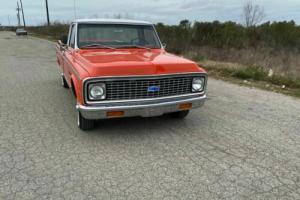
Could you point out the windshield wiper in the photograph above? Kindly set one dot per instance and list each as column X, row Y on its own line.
column 134, row 46
column 97, row 45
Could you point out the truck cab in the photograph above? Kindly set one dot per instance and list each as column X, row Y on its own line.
column 119, row 68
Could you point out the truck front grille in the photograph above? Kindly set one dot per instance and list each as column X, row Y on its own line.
column 151, row 88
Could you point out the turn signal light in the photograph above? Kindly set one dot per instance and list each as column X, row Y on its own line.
column 185, row 106
column 115, row 114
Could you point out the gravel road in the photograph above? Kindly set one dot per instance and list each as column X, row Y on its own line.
column 243, row 144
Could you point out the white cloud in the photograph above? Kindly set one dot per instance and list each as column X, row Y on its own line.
column 167, row 11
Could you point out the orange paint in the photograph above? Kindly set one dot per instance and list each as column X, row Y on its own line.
column 112, row 114
column 185, row 106
column 89, row 63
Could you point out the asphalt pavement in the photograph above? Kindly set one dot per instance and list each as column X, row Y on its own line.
column 243, row 144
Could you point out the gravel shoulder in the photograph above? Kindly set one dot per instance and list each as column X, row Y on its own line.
column 243, row 144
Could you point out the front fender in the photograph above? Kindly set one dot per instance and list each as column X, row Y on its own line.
column 76, row 86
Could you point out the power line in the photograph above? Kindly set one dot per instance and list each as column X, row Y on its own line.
column 47, row 10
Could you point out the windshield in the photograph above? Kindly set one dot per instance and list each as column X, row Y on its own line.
column 117, row 36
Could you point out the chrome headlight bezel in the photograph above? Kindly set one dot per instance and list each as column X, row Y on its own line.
column 92, row 90
column 198, row 84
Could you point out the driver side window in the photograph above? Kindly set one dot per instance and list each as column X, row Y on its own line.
column 72, row 37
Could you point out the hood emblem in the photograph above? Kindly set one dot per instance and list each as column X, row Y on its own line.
column 153, row 89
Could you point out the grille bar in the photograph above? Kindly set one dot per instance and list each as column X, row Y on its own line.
column 138, row 89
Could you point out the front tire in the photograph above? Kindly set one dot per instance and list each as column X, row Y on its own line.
column 180, row 114
column 84, row 124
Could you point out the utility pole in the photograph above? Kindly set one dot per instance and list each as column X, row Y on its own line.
column 18, row 14
column 48, row 20
column 23, row 14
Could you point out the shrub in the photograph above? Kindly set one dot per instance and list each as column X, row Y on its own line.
column 198, row 57
column 185, row 36
column 251, row 72
column 55, row 31
column 287, row 81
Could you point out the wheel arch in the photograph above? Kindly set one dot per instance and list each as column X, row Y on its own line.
column 74, row 86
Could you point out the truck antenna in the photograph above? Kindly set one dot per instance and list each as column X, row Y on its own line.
column 75, row 12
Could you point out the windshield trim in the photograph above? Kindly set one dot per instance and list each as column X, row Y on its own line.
column 160, row 46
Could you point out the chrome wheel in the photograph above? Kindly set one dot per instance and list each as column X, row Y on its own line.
column 78, row 119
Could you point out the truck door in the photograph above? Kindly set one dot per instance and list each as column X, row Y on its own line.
column 68, row 55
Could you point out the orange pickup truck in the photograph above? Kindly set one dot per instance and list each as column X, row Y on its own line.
column 119, row 68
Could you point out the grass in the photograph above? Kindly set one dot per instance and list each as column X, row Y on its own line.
column 53, row 32
column 253, row 76
column 282, row 80
column 198, row 57
column 253, row 72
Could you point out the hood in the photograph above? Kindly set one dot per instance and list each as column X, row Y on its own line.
column 123, row 62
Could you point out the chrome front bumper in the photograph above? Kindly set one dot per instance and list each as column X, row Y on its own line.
column 139, row 109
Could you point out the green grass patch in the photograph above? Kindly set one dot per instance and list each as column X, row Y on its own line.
column 253, row 72
column 219, row 71
column 287, row 81
column 257, row 77
column 198, row 57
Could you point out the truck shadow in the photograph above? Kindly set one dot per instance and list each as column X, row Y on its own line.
column 140, row 126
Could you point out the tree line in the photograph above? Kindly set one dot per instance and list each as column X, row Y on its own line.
column 187, row 36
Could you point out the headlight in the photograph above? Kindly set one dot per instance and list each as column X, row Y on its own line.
column 97, row 91
column 198, row 84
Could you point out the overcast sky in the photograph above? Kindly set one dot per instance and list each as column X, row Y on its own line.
column 166, row 11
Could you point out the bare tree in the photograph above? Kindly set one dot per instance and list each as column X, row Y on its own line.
column 252, row 14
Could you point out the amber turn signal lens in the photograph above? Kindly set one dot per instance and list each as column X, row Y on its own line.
column 115, row 113
column 185, row 106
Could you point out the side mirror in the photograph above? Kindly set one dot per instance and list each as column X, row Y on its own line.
column 164, row 45
column 64, row 39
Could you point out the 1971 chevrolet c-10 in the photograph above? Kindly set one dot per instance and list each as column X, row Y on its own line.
column 119, row 68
